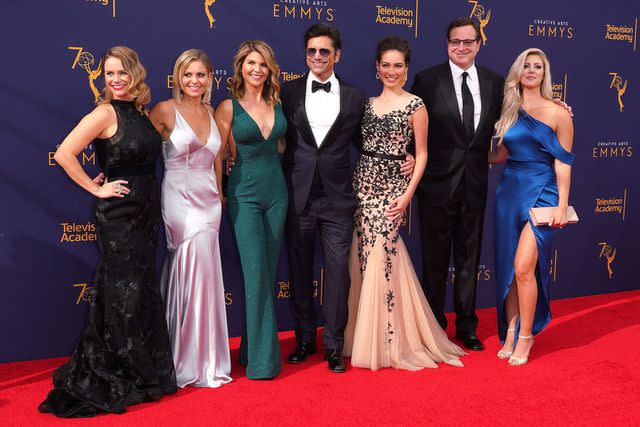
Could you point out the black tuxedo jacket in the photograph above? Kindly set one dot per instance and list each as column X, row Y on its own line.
column 302, row 157
column 450, row 154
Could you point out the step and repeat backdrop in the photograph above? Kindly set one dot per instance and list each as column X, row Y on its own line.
column 51, row 76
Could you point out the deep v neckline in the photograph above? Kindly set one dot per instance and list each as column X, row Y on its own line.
column 273, row 125
column 206, row 141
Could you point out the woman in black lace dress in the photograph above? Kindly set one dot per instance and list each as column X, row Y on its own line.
column 123, row 356
column 390, row 322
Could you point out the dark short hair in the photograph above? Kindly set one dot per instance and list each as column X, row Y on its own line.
column 394, row 43
column 324, row 29
column 463, row 22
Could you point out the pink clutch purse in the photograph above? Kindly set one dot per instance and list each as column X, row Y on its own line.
column 540, row 216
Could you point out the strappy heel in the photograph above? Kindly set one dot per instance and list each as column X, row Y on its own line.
column 518, row 361
column 505, row 354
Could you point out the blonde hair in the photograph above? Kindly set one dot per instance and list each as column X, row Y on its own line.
column 138, row 89
column 182, row 63
column 271, row 89
column 512, row 101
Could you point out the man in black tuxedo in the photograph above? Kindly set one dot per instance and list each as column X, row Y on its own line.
column 464, row 101
column 323, row 115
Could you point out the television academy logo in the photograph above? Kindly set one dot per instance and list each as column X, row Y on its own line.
column 86, row 60
column 559, row 89
column 284, row 288
column 619, row 86
column 612, row 205
column 608, row 252
column 207, row 12
column 478, row 12
column 399, row 16
column 622, row 33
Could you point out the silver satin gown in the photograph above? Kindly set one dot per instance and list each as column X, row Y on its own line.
column 191, row 283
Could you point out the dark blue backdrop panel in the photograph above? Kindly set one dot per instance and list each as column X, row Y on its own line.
column 48, row 253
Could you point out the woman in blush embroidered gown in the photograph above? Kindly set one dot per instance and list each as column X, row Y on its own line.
column 123, row 356
column 191, row 282
column 535, row 136
column 390, row 322
column 253, row 123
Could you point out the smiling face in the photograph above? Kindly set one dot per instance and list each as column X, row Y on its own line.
column 463, row 46
column 195, row 80
column 255, row 70
column 533, row 72
column 392, row 68
column 321, row 56
column 117, row 79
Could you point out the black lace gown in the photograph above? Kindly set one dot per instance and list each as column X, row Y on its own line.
column 123, row 356
column 390, row 322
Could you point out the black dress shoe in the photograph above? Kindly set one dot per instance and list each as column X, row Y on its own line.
column 471, row 342
column 335, row 362
column 301, row 352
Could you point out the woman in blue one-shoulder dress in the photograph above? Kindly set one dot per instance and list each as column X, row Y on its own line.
column 535, row 136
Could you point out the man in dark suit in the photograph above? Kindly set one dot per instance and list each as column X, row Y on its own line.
column 464, row 101
column 323, row 115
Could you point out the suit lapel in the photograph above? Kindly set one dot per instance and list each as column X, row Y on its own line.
column 486, row 89
column 301, row 120
column 343, row 108
column 452, row 100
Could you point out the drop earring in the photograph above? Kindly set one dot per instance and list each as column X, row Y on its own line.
column 377, row 75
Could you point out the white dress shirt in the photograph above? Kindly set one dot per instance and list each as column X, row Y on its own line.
column 474, row 88
column 322, row 107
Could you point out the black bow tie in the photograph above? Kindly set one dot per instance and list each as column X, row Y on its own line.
column 316, row 85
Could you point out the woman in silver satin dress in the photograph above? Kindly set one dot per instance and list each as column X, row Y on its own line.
column 191, row 283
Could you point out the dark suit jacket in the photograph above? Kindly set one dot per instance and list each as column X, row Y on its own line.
column 302, row 157
column 450, row 153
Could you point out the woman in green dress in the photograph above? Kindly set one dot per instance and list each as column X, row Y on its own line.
column 252, row 123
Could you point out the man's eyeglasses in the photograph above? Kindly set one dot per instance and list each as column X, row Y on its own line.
column 465, row 43
column 324, row 52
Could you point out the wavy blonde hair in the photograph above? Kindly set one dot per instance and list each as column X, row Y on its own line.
column 271, row 89
column 138, row 89
column 182, row 63
column 512, row 101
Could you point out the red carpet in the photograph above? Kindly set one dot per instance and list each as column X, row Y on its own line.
column 584, row 370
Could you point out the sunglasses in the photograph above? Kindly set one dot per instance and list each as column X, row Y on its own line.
column 324, row 52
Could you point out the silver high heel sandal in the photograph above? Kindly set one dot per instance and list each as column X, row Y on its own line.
column 505, row 354
column 517, row 361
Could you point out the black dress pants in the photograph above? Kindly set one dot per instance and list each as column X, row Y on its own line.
column 458, row 225
column 336, row 229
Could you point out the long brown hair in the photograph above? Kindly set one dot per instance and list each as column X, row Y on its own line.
column 138, row 89
column 271, row 89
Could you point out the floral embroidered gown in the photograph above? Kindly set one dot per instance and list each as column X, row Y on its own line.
column 390, row 322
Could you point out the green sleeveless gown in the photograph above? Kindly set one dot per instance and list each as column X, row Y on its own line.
column 257, row 202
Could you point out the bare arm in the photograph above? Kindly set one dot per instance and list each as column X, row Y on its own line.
column 498, row 154
column 100, row 123
column 223, row 117
column 564, row 132
column 420, row 123
column 163, row 118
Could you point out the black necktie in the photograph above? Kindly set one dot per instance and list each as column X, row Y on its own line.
column 467, row 107
column 316, row 85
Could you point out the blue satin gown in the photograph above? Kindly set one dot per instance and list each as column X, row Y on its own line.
column 528, row 180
